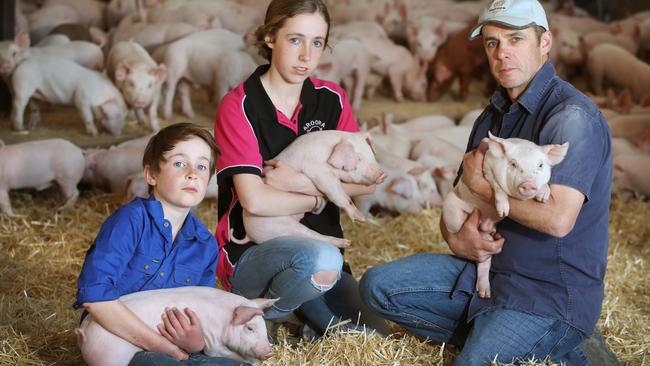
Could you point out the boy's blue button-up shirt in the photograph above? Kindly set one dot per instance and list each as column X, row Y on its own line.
column 134, row 252
column 560, row 278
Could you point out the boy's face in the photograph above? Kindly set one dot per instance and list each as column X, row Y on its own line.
column 183, row 176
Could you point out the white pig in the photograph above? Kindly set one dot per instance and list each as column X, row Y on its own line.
column 217, row 65
column 606, row 61
column 398, row 192
column 232, row 325
column 327, row 158
column 514, row 167
column 109, row 169
column 15, row 51
column 139, row 79
column 631, row 173
column 38, row 164
column 60, row 81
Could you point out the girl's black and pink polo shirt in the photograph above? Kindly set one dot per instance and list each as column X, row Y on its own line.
column 249, row 130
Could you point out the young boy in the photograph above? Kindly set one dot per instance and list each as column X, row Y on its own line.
column 156, row 243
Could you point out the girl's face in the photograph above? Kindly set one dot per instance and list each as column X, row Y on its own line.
column 297, row 46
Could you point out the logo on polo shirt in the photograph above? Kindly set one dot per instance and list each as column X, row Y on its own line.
column 315, row 125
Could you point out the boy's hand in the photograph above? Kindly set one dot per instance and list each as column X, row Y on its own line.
column 186, row 334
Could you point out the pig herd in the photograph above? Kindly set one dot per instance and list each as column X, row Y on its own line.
column 108, row 59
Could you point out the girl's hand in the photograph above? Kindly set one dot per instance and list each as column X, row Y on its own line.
column 283, row 177
column 181, row 331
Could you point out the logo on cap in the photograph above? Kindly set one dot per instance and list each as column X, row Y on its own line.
column 497, row 5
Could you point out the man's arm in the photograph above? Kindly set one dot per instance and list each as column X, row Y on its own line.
column 467, row 242
column 118, row 319
column 555, row 217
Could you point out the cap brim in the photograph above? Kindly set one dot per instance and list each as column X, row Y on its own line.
column 510, row 22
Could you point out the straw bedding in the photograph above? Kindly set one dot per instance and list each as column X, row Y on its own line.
column 41, row 253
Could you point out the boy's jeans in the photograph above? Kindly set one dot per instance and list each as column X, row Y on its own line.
column 415, row 292
column 146, row 358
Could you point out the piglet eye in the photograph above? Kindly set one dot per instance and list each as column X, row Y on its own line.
column 249, row 328
column 513, row 163
column 541, row 165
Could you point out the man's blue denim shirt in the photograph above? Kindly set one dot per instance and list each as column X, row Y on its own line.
column 134, row 252
column 560, row 278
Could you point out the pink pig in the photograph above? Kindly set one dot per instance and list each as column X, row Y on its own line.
column 513, row 167
column 232, row 325
column 38, row 164
column 327, row 158
column 139, row 79
column 60, row 81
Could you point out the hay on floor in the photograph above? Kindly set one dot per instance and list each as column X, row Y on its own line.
column 41, row 253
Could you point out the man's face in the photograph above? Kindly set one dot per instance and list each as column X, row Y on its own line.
column 515, row 56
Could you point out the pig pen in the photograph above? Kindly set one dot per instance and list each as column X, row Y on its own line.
column 41, row 253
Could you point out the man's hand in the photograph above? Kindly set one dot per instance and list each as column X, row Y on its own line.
column 283, row 177
column 468, row 243
column 473, row 172
column 186, row 334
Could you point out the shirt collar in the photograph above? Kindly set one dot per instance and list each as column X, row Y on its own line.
column 531, row 97
column 190, row 230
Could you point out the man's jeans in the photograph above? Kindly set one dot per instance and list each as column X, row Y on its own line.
column 415, row 292
column 145, row 358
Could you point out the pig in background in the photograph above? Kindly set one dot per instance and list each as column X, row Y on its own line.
column 39, row 164
column 215, row 59
column 514, row 168
column 13, row 52
column 327, row 158
column 139, row 79
column 631, row 173
column 232, row 325
column 60, row 81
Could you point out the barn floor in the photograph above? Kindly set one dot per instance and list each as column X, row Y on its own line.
column 41, row 253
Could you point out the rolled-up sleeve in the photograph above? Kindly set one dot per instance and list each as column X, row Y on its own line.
column 588, row 143
column 108, row 257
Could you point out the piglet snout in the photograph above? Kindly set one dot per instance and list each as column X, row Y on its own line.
column 527, row 188
column 267, row 356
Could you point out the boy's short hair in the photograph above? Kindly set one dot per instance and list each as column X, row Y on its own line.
column 168, row 137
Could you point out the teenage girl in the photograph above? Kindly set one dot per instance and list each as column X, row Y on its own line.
column 257, row 120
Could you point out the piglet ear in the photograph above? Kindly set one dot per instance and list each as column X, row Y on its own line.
column 343, row 156
column 243, row 314
column 111, row 109
column 121, row 71
column 160, row 72
column 496, row 145
column 555, row 152
column 368, row 140
column 402, row 187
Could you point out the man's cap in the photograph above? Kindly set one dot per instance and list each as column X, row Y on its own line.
column 517, row 14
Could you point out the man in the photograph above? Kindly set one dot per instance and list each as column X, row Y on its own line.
column 549, row 258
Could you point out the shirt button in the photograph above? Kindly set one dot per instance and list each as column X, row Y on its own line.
column 187, row 280
column 162, row 274
column 166, row 224
column 146, row 266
